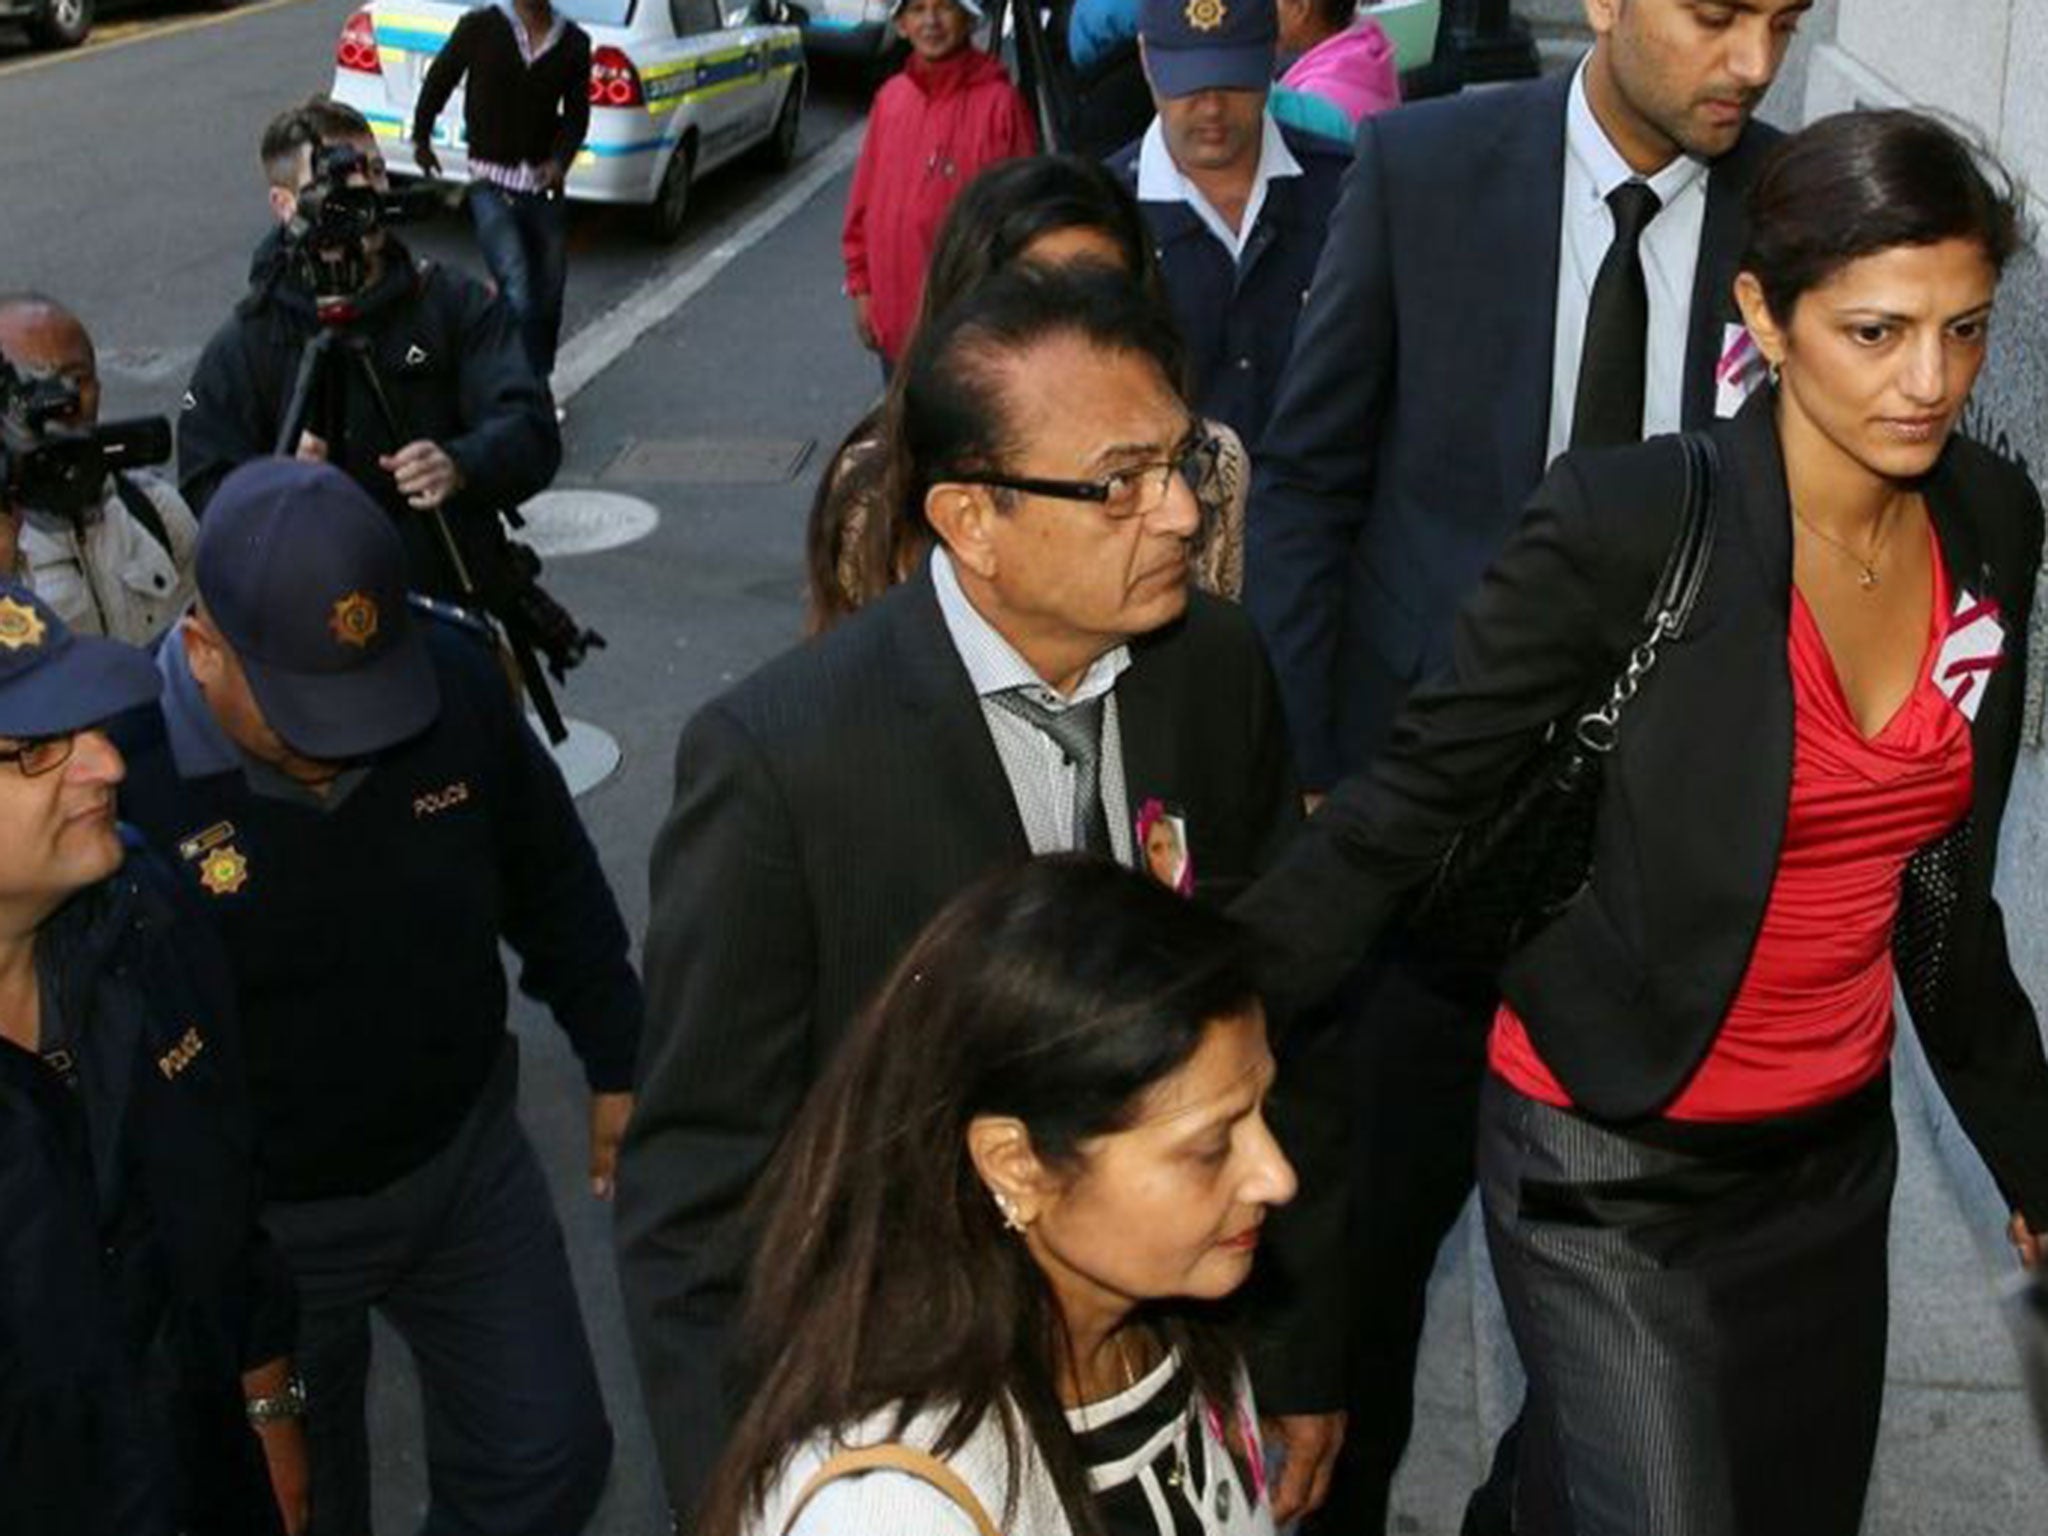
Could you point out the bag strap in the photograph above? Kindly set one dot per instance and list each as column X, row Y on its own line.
column 1676, row 594
column 894, row 1457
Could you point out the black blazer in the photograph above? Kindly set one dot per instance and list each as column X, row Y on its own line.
column 1413, row 420
column 825, row 809
column 1624, row 993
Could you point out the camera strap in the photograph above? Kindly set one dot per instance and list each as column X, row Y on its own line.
column 143, row 510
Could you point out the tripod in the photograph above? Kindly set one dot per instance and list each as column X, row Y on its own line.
column 332, row 357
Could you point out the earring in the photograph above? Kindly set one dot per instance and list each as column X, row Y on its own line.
column 1012, row 1222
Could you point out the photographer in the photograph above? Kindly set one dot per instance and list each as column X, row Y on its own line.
column 117, row 561
column 472, row 432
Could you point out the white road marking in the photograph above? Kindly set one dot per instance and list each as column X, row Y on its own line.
column 607, row 338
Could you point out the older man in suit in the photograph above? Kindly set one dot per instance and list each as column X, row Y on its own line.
column 1509, row 274
column 1047, row 682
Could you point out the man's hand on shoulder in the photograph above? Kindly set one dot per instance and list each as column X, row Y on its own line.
column 426, row 476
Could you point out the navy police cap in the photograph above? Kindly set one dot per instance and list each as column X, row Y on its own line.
column 52, row 681
column 1209, row 45
column 304, row 576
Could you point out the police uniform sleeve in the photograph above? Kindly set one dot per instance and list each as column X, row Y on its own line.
column 1313, row 469
column 559, row 914
column 732, row 972
column 222, row 423
column 509, row 448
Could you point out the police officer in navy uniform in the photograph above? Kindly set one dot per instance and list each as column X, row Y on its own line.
column 145, row 1323
column 1237, row 204
column 348, row 787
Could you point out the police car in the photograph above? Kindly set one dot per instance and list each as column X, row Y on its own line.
column 677, row 88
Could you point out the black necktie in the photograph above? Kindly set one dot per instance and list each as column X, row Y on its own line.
column 1609, row 405
column 1077, row 731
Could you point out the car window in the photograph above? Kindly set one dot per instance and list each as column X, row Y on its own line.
column 694, row 16
column 597, row 13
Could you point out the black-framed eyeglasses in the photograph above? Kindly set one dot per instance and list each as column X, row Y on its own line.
column 1130, row 492
column 35, row 756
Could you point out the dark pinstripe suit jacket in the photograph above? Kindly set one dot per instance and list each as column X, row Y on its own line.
column 824, row 810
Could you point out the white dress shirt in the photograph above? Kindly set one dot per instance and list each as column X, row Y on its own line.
column 1041, row 778
column 1160, row 181
column 1593, row 167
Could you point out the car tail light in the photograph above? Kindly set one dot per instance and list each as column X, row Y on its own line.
column 614, row 82
column 357, row 49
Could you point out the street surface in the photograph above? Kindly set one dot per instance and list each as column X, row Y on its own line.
column 132, row 192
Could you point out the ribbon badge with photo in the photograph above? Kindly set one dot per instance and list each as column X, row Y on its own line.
column 1163, row 845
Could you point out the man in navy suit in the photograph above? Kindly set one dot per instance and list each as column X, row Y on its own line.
column 1509, row 274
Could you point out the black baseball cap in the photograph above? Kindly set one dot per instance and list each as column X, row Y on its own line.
column 304, row 576
column 1209, row 45
column 53, row 681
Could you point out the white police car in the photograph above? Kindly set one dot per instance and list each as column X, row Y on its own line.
column 677, row 88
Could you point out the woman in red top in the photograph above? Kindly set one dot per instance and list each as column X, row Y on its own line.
column 1686, row 1149
column 951, row 111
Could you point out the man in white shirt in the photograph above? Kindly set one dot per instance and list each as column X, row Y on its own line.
column 1047, row 683
column 121, row 566
column 1509, row 273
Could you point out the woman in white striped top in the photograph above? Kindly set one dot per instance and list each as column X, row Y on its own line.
column 996, row 1233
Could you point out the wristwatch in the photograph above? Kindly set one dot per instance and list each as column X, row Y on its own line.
column 288, row 1404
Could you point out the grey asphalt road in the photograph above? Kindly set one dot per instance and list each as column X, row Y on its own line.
column 129, row 186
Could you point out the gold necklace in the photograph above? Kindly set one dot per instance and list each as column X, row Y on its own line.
column 1867, row 577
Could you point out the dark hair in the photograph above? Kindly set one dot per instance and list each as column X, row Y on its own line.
column 1057, row 992
column 1858, row 183
column 1336, row 15
column 953, row 406
column 319, row 118
column 990, row 225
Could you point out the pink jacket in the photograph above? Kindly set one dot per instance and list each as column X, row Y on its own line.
column 1354, row 71
column 930, row 129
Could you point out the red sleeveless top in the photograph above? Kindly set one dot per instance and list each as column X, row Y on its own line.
column 1812, row 1020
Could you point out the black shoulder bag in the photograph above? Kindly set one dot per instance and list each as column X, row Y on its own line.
column 1510, row 873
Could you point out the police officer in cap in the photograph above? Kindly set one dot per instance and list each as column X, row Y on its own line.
column 1237, row 203
column 145, row 1324
column 346, row 785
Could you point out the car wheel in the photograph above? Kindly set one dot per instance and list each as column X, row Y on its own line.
column 778, row 152
column 61, row 24
column 671, row 206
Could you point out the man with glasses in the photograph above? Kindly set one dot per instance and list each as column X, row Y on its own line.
column 145, row 1322
column 1046, row 683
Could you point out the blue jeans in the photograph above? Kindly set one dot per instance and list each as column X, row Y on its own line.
column 524, row 237
column 464, row 1257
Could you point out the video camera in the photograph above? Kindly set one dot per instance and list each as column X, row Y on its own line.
column 52, row 465
column 338, row 213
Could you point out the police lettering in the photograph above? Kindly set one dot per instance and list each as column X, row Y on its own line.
column 437, row 801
